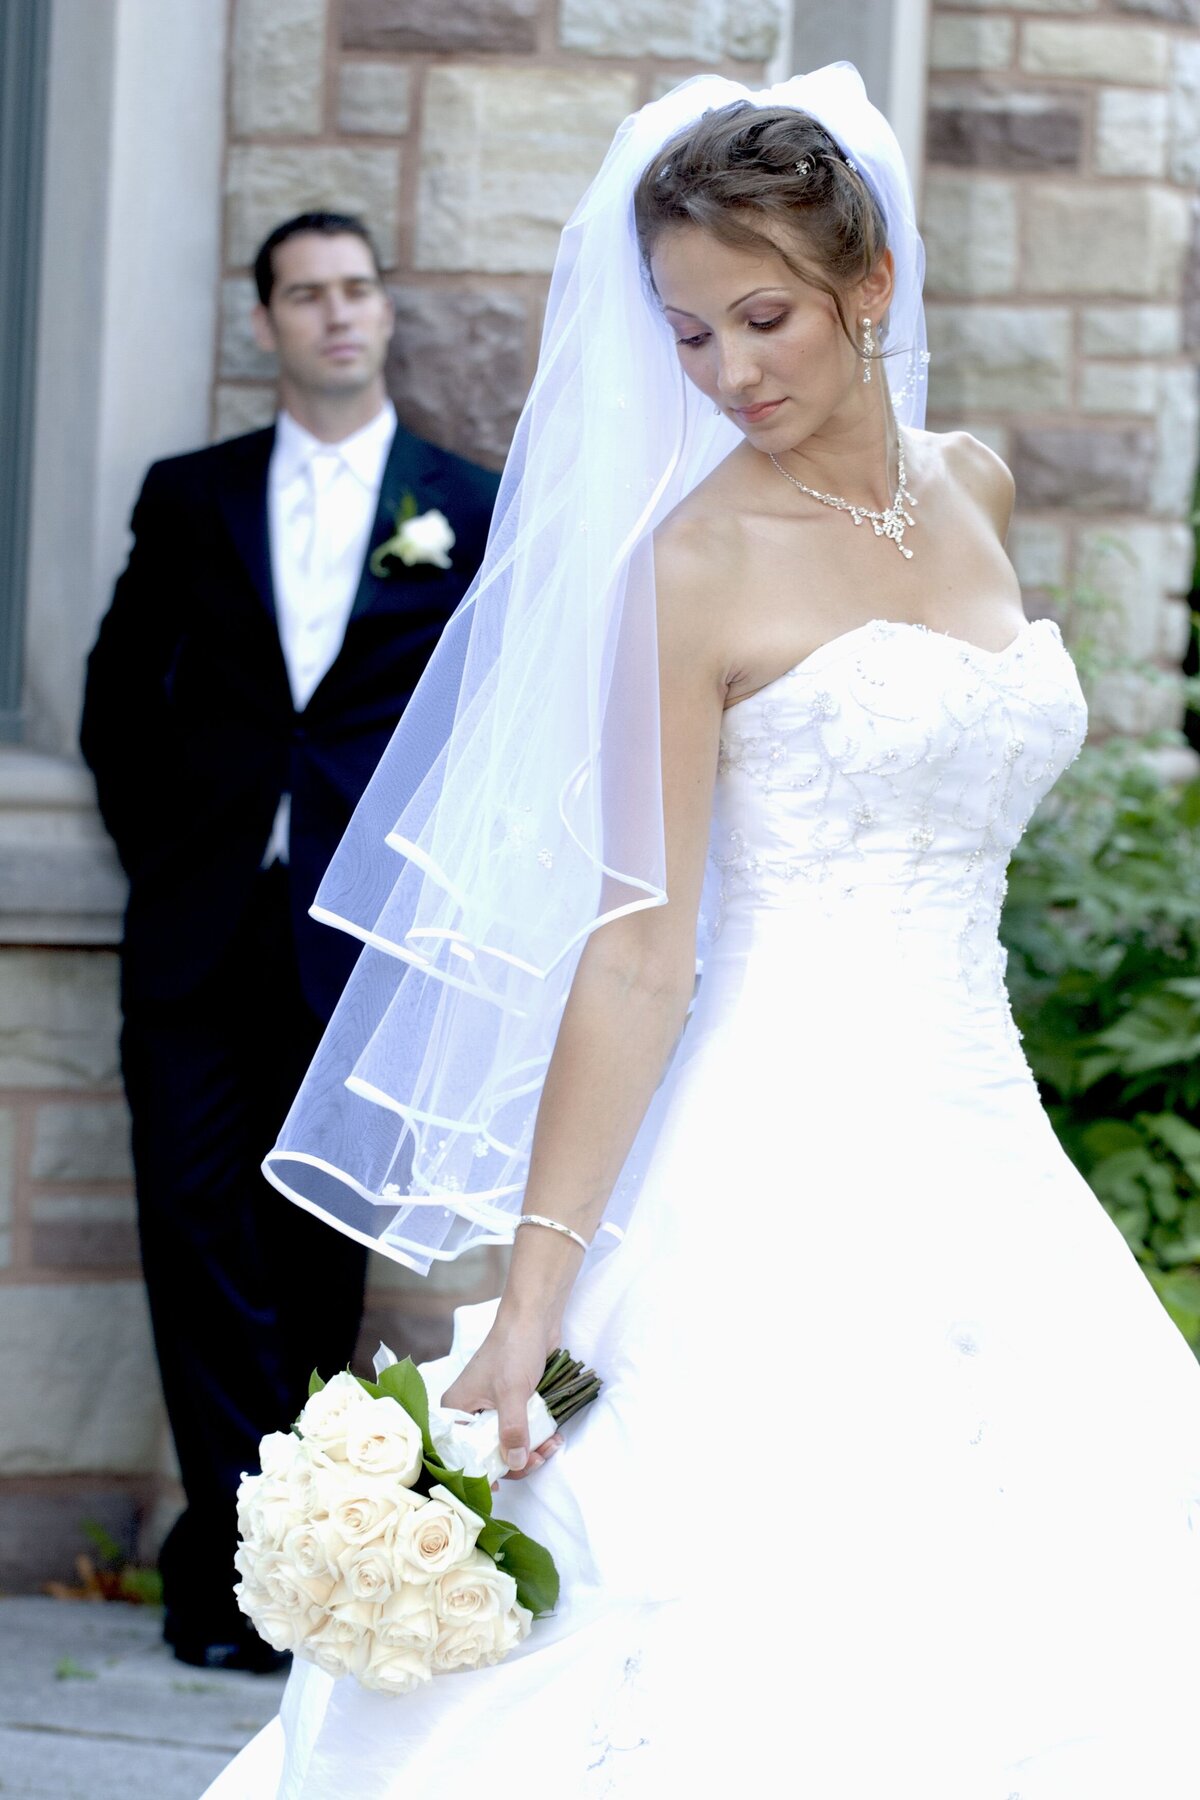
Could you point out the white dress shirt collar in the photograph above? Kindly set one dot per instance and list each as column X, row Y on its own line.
column 364, row 452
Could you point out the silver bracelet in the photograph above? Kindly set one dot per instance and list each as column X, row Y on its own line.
column 554, row 1225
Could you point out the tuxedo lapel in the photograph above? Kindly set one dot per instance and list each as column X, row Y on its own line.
column 243, row 503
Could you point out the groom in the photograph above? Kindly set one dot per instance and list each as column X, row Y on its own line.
column 259, row 649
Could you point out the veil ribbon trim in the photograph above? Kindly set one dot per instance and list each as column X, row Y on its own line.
column 518, row 806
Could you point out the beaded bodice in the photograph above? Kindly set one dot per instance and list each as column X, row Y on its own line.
column 887, row 778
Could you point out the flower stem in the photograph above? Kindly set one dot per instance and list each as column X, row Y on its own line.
column 566, row 1386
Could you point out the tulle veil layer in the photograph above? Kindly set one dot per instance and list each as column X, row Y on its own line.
column 518, row 805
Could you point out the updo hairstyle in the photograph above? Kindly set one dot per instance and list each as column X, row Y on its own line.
column 755, row 176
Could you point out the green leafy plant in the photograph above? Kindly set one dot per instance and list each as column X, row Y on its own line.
column 67, row 1669
column 1102, row 926
column 108, row 1574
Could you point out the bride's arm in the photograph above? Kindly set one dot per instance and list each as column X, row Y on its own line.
column 623, row 1015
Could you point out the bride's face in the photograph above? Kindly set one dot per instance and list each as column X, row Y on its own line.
column 765, row 346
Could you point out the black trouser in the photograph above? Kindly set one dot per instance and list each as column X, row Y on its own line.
column 248, row 1293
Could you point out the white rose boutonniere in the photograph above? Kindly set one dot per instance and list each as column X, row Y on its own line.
column 418, row 538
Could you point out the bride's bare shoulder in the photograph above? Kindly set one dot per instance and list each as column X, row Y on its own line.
column 976, row 469
column 697, row 552
column 701, row 540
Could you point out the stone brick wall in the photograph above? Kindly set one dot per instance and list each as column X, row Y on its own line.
column 464, row 134
column 1063, row 237
column 80, row 1423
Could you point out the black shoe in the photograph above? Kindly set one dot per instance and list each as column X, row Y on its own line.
column 246, row 1652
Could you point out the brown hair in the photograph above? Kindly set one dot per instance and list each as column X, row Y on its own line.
column 741, row 169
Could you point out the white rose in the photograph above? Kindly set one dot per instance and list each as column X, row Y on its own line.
column 331, row 1650
column 314, row 1548
column 364, row 1508
column 476, row 1589
column 514, row 1627
column 267, row 1510
column 384, row 1440
column 437, row 1535
column 348, row 1623
column 326, row 1413
column 251, row 1518
column 394, row 1670
column 469, row 1646
column 302, row 1478
column 481, row 1641
column 282, row 1629
column 425, row 540
column 368, row 1572
column 407, row 1621
column 278, row 1451
column 287, row 1585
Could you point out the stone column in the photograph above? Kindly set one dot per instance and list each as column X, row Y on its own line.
column 1064, row 285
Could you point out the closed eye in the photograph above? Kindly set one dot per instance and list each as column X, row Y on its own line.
column 694, row 342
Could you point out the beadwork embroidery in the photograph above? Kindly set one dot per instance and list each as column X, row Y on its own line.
column 616, row 1736
column 917, row 767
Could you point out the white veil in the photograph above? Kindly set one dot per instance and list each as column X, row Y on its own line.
column 517, row 806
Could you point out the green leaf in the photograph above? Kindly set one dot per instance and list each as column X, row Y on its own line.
column 1164, row 1195
column 1107, row 1136
column 494, row 1536
column 103, row 1542
column 402, row 1381
column 407, row 509
column 1180, row 1138
column 532, row 1568
column 1178, row 1287
column 474, row 1491
column 315, row 1384
column 142, row 1586
column 1124, row 1179
column 1179, row 1291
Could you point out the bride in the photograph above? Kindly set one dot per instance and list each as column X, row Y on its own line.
column 892, row 1488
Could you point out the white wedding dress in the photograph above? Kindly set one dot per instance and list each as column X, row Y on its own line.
column 893, row 1487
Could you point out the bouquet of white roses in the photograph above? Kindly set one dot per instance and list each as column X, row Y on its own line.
column 368, row 1542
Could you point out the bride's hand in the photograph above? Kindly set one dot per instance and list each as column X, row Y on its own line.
column 504, row 1373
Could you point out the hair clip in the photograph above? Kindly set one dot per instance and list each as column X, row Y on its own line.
column 804, row 166
column 852, row 165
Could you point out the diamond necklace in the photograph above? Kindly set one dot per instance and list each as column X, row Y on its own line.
column 891, row 523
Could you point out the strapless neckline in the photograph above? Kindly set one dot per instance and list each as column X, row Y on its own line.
column 881, row 627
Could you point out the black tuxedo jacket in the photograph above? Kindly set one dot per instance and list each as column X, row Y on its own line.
column 188, row 723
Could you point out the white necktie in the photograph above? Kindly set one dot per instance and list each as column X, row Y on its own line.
column 323, row 550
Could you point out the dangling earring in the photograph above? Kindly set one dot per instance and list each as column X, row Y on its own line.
column 868, row 348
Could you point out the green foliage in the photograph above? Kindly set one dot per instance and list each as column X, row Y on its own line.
column 111, row 1576
column 1102, row 926
column 474, row 1491
column 530, row 1565
column 402, row 1382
